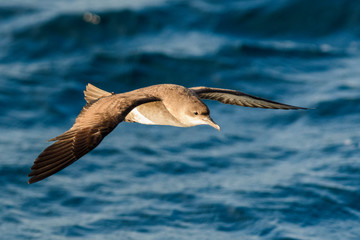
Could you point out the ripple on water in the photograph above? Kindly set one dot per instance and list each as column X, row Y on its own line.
column 267, row 175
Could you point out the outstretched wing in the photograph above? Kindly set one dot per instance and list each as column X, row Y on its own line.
column 239, row 98
column 95, row 121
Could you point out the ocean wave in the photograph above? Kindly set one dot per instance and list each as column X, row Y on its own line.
column 300, row 19
column 268, row 174
column 337, row 108
column 283, row 49
column 51, row 34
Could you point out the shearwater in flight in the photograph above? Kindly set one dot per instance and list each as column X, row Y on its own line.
column 163, row 104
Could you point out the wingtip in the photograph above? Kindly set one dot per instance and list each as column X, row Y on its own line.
column 299, row 108
column 31, row 181
column 302, row 108
column 290, row 107
column 35, row 178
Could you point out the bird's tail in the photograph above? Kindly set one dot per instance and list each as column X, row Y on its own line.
column 93, row 93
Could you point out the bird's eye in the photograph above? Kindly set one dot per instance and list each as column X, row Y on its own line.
column 196, row 113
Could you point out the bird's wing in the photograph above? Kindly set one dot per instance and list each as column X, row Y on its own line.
column 95, row 121
column 239, row 98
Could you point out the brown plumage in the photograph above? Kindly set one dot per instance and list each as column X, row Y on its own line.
column 164, row 104
column 239, row 98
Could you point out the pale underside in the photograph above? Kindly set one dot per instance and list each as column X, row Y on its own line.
column 154, row 113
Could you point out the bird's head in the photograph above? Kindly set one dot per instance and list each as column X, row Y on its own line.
column 199, row 114
column 187, row 108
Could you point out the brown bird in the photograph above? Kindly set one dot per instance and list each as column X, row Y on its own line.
column 163, row 104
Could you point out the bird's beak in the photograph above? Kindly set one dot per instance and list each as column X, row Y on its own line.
column 211, row 122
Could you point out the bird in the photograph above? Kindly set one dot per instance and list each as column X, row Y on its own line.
column 162, row 104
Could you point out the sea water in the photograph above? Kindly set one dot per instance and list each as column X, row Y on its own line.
column 269, row 174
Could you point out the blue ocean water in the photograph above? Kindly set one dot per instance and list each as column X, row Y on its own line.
column 269, row 174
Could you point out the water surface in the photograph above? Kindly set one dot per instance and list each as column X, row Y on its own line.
column 269, row 174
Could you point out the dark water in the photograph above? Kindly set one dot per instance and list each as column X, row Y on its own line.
column 269, row 174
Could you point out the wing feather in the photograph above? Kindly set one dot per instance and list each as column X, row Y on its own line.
column 94, row 122
column 234, row 97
